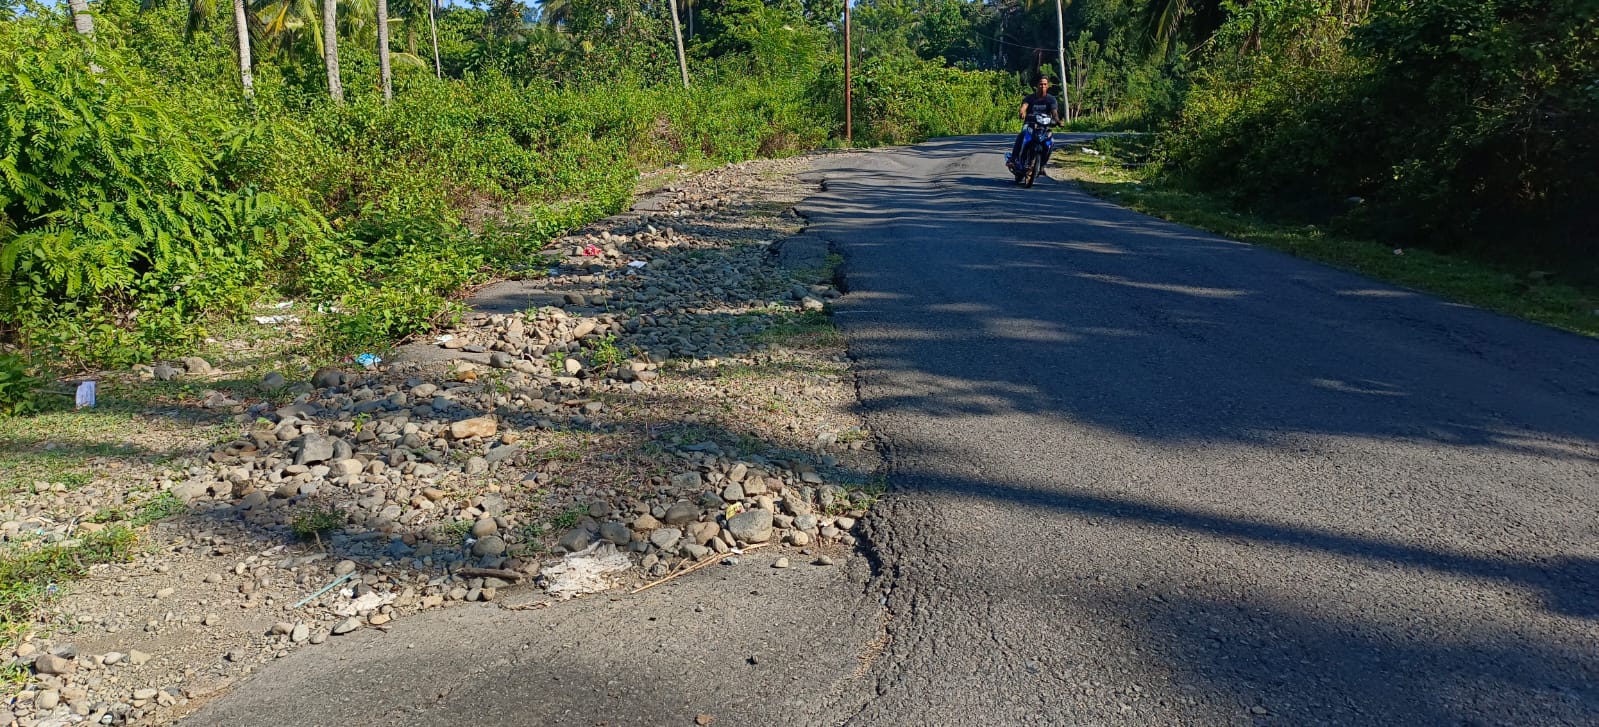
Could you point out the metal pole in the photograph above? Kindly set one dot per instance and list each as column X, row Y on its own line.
column 849, row 80
column 1065, row 96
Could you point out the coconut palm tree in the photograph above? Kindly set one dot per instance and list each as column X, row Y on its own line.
column 330, row 48
column 241, row 21
column 292, row 26
column 555, row 12
column 433, row 27
column 383, row 50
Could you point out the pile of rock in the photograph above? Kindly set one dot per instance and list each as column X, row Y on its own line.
column 389, row 449
column 71, row 688
column 721, row 504
column 387, row 457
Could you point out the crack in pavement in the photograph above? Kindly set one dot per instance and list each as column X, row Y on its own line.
column 1144, row 475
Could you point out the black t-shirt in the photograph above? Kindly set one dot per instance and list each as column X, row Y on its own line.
column 1041, row 103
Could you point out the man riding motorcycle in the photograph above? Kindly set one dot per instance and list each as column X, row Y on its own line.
column 1039, row 102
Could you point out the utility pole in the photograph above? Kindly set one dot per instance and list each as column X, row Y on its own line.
column 1065, row 96
column 677, row 32
column 433, row 27
column 849, row 81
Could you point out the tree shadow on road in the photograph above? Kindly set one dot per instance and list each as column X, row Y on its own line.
column 1046, row 324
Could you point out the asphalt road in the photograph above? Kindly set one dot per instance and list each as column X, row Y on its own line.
column 1143, row 476
column 1148, row 476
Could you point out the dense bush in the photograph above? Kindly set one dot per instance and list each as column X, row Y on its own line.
column 142, row 200
column 118, row 225
column 1458, row 123
column 904, row 100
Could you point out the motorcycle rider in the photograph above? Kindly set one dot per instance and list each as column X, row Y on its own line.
column 1039, row 102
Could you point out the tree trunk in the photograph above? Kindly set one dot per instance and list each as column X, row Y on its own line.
column 243, row 22
column 433, row 27
column 383, row 50
column 81, row 19
column 677, row 34
column 84, row 23
column 330, row 48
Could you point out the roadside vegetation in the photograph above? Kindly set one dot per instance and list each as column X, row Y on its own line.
column 163, row 176
column 1122, row 172
column 149, row 197
column 1460, row 133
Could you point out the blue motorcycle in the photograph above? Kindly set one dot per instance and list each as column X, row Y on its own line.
column 1038, row 141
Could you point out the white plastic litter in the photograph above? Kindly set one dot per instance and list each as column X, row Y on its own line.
column 1091, row 152
column 637, row 264
column 446, row 338
column 275, row 320
column 85, row 399
column 586, row 571
column 365, row 604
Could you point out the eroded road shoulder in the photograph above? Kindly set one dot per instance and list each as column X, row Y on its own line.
column 373, row 545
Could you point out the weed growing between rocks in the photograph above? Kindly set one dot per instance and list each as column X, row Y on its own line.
column 314, row 522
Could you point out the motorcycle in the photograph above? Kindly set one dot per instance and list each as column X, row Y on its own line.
column 1038, row 140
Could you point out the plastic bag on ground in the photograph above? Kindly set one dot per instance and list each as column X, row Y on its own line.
column 590, row 570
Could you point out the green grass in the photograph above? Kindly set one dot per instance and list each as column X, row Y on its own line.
column 565, row 450
column 456, row 530
column 72, row 449
column 824, row 274
column 31, row 577
column 314, row 522
column 1117, row 122
column 569, row 517
column 811, row 329
column 1121, row 174
column 60, row 447
column 160, row 507
column 860, row 496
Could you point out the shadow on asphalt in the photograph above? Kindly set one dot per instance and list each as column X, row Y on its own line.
column 1175, row 338
column 1183, row 358
column 1567, row 586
